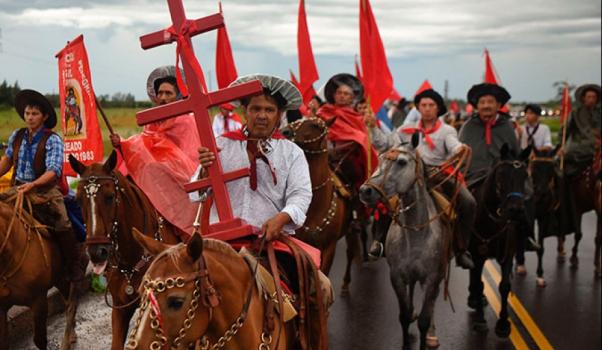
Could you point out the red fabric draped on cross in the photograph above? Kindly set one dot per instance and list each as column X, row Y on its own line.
column 425, row 132
column 254, row 153
column 184, row 49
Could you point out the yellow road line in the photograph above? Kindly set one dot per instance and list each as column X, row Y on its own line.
column 526, row 319
column 515, row 337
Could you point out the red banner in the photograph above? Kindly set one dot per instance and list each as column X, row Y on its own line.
column 81, row 132
column 565, row 104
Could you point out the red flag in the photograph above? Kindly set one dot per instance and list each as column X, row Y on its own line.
column 377, row 79
column 565, row 104
column 225, row 68
column 426, row 85
column 294, row 79
column 358, row 70
column 454, row 107
column 81, row 132
column 395, row 96
column 308, row 72
column 490, row 76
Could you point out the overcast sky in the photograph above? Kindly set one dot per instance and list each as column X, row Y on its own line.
column 533, row 43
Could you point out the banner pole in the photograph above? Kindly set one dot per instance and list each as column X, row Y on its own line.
column 104, row 116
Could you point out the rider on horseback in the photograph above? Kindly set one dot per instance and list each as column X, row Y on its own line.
column 37, row 155
column 436, row 142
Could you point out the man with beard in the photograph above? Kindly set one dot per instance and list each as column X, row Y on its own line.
column 163, row 157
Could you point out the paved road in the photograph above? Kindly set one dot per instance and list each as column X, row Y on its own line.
column 564, row 315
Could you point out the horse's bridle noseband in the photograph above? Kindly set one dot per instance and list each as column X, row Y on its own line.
column 294, row 126
column 91, row 188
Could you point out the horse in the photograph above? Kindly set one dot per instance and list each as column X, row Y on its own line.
column 546, row 200
column 203, row 295
column 585, row 192
column 500, row 213
column 329, row 213
column 112, row 205
column 417, row 243
column 31, row 265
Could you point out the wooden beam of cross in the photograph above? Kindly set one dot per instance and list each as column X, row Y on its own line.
column 198, row 102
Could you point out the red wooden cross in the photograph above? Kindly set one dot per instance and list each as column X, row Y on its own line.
column 198, row 103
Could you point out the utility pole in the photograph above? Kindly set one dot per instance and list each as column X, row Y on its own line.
column 0, row 40
column 446, row 90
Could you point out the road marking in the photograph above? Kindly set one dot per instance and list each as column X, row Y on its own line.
column 515, row 337
column 520, row 311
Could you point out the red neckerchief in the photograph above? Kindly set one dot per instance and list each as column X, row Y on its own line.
column 488, row 125
column 254, row 152
column 424, row 132
column 226, row 126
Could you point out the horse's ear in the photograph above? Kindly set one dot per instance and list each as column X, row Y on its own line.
column 525, row 154
column 331, row 121
column 111, row 162
column 505, row 152
column 76, row 165
column 194, row 247
column 149, row 244
column 415, row 140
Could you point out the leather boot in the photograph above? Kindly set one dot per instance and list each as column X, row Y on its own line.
column 71, row 256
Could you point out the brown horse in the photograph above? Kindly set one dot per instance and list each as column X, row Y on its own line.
column 586, row 193
column 329, row 213
column 202, row 294
column 112, row 205
column 31, row 264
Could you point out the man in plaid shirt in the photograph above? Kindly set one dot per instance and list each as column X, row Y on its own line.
column 37, row 155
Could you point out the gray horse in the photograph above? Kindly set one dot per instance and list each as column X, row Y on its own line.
column 416, row 244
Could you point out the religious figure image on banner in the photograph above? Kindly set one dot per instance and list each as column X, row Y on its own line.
column 81, row 131
column 74, row 120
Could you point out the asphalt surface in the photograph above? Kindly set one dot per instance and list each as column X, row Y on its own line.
column 564, row 315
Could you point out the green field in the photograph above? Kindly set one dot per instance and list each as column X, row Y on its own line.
column 124, row 123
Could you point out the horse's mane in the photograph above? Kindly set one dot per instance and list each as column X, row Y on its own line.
column 220, row 247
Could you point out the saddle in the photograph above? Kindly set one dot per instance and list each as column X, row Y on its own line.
column 443, row 203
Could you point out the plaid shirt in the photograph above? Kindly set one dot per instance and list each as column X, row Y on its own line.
column 24, row 167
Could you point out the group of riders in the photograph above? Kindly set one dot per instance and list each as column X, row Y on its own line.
column 276, row 196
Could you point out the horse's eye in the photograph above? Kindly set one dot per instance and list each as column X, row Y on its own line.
column 402, row 162
column 175, row 303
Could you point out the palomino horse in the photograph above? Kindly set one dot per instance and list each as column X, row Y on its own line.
column 329, row 213
column 586, row 193
column 417, row 243
column 203, row 294
column 500, row 212
column 31, row 264
column 112, row 205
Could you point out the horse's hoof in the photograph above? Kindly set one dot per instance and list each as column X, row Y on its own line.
column 480, row 326
column 432, row 341
column 521, row 270
column 477, row 302
column 541, row 283
column 561, row 258
column 598, row 273
column 574, row 262
column 502, row 328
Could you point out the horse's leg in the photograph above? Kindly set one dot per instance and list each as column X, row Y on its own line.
column 353, row 247
column 426, row 314
column 405, row 307
column 3, row 329
column 561, row 257
column 502, row 327
column 40, row 315
column 328, row 258
column 521, row 270
column 578, row 235
column 598, row 251
column 476, row 298
column 541, row 282
column 70, row 336
column 120, row 322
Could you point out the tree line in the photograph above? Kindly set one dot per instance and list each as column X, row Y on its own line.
column 117, row 100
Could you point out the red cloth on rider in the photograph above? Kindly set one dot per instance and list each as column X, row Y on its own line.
column 350, row 126
column 425, row 132
column 161, row 160
column 488, row 125
column 448, row 170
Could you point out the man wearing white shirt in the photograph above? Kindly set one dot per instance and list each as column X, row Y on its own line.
column 534, row 133
column 226, row 120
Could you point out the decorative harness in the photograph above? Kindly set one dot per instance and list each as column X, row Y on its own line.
column 91, row 188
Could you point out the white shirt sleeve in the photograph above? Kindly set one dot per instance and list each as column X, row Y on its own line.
column 195, row 196
column 298, row 192
column 383, row 142
column 452, row 144
column 547, row 136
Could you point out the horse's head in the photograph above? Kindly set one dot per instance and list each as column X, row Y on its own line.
column 398, row 170
column 309, row 134
column 509, row 176
column 177, row 296
column 542, row 167
column 98, row 198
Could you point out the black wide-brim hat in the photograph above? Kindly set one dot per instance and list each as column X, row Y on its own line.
column 484, row 89
column 435, row 96
column 535, row 108
column 343, row 79
column 30, row 97
column 580, row 92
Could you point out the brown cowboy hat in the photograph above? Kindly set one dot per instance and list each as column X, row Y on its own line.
column 585, row 88
column 30, row 97
column 484, row 89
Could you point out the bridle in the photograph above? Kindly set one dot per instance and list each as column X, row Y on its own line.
column 296, row 125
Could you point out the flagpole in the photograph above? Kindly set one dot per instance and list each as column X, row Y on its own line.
column 104, row 116
column 564, row 126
